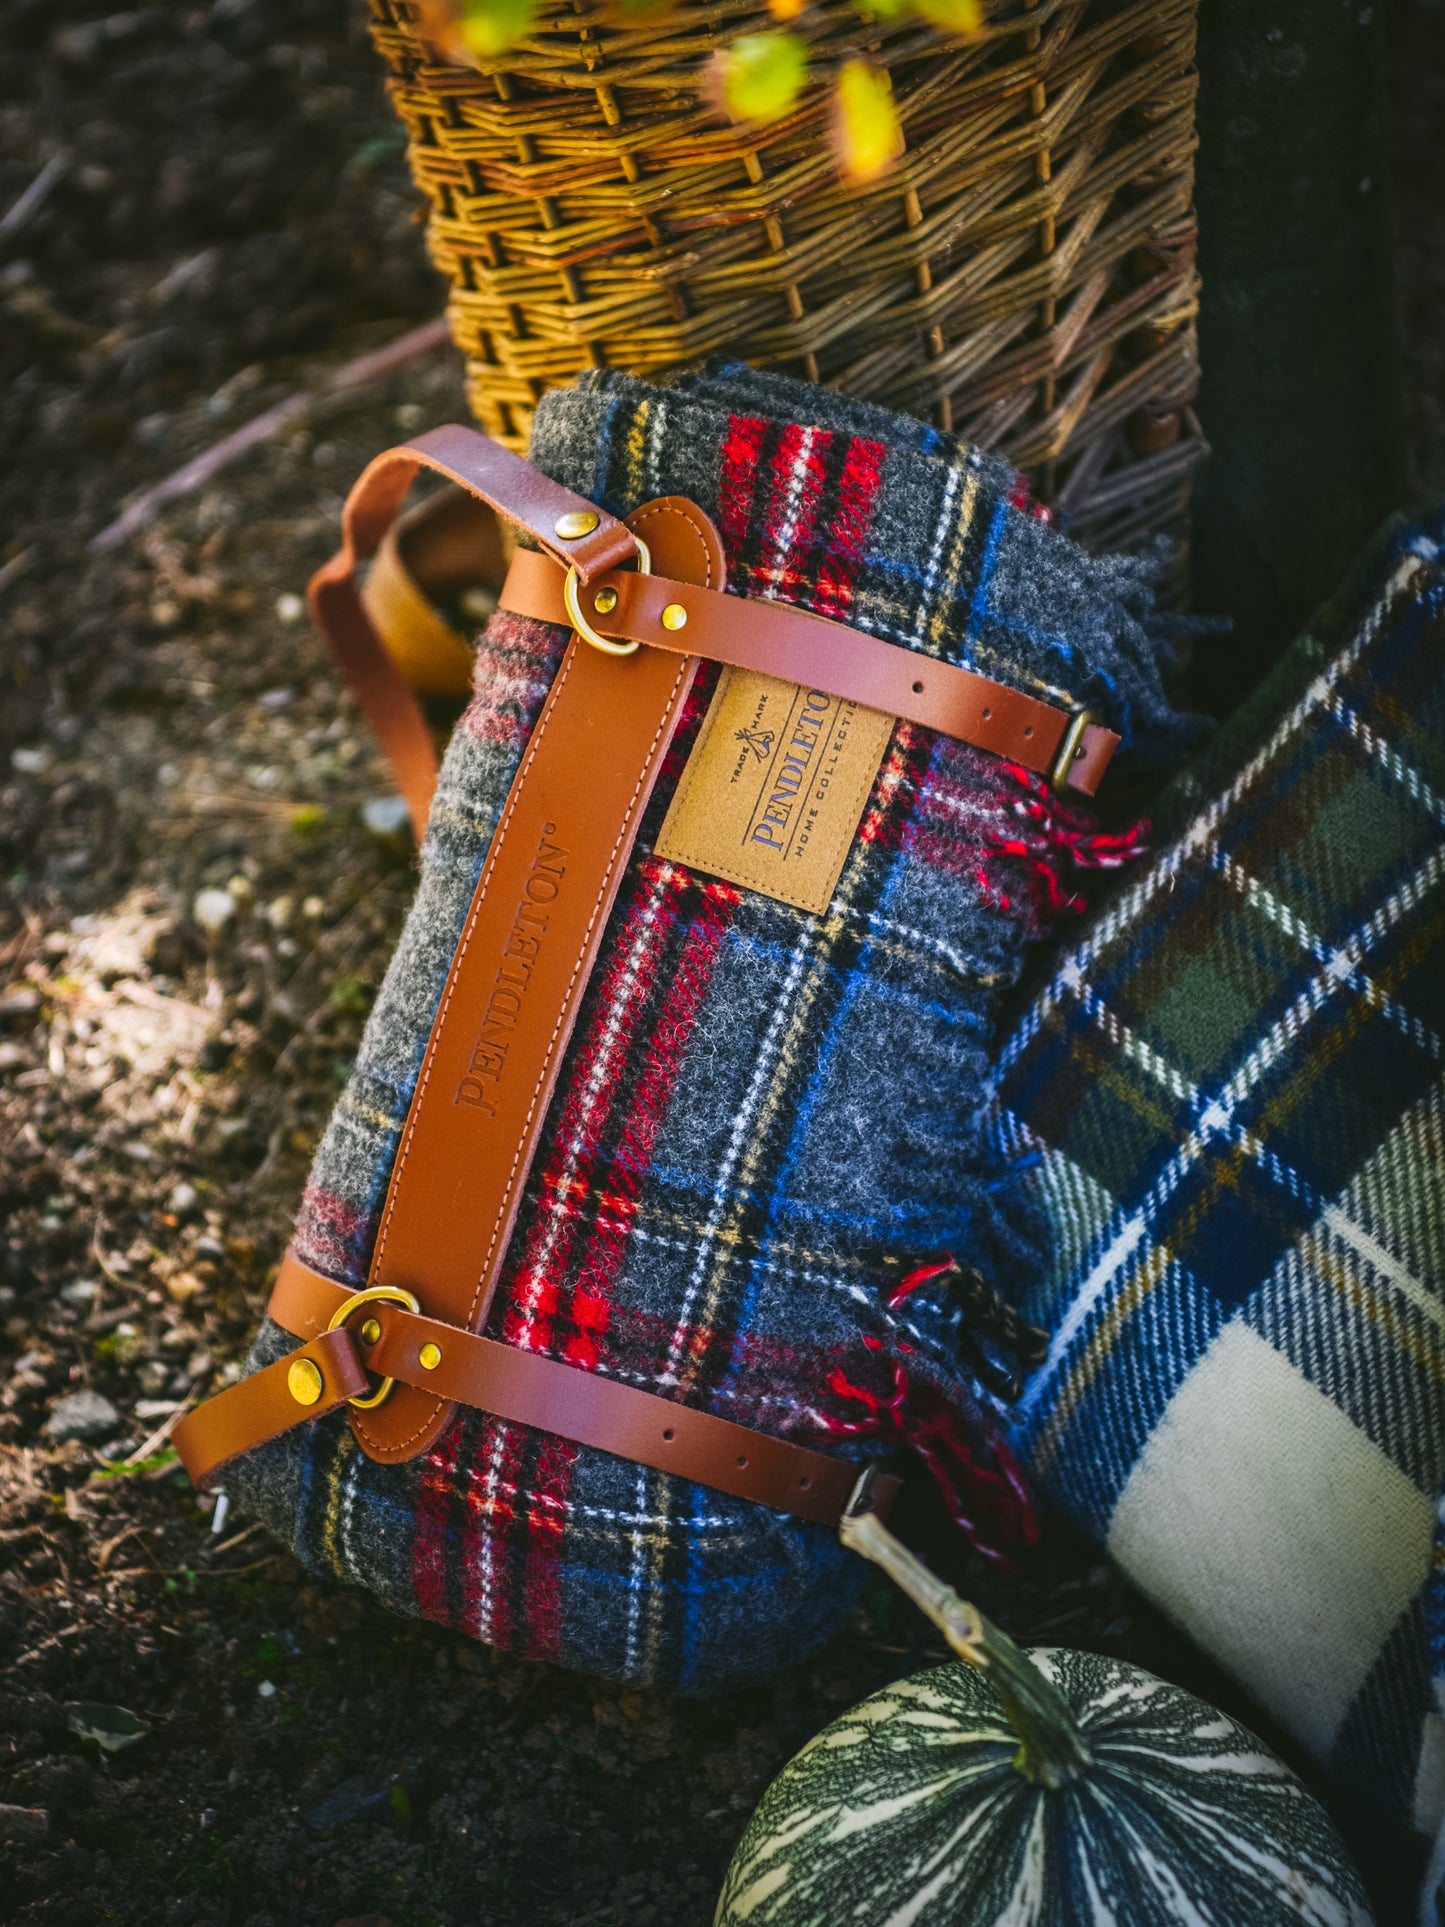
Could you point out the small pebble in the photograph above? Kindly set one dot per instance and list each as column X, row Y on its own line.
column 20, row 1000
column 266, row 1690
column 274, row 699
column 213, row 909
column 289, row 608
column 80, row 1293
column 30, row 762
column 23, row 1823
column 83, row 1415
column 387, row 821
column 183, row 1200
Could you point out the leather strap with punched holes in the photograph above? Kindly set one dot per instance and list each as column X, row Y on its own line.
column 522, row 1388
column 798, row 647
column 451, row 541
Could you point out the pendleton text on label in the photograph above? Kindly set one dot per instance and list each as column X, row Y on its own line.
column 774, row 787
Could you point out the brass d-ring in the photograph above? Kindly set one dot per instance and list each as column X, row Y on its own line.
column 579, row 621
column 392, row 1295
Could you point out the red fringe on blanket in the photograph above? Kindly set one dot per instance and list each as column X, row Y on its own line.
column 1049, row 832
column 982, row 1485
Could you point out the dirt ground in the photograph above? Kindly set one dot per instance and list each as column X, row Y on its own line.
column 193, row 918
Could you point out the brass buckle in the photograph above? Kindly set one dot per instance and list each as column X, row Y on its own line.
column 390, row 1294
column 1068, row 748
column 574, row 605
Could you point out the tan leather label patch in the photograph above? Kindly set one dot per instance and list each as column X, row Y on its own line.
column 774, row 787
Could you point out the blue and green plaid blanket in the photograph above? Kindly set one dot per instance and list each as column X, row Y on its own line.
column 1229, row 1104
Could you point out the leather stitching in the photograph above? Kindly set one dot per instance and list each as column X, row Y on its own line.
column 663, row 729
column 395, row 1447
column 674, row 508
column 484, row 884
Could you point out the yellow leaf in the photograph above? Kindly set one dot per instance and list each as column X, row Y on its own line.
column 786, row 9
column 760, row 76
column 462, row 28
column 865, row 123
column 955, row 16
column 492, row 26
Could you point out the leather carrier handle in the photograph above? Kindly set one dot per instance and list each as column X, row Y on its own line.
column 505, row 484
column 524, row 958
column 522, row 963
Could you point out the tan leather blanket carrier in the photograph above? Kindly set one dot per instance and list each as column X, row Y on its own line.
column 645, row 602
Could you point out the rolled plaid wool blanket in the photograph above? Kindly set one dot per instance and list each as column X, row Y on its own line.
column 765, row 1139
column 1230, row 1092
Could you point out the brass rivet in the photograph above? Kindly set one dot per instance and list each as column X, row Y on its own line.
column 575, row 523
column 429, row 1357
column 605, row 601
column 674, row 616
column 303, row 1381
column 371, row 1331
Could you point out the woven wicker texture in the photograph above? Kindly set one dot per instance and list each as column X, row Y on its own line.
column 1025, row 275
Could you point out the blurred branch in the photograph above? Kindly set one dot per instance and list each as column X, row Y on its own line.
column 201, row 468
column 18, row 215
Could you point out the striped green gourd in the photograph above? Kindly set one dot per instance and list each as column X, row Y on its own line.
column 1057, row 1789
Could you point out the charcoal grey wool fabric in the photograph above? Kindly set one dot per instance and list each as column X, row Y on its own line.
column 767, row 1124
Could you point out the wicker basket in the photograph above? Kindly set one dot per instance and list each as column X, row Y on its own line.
column 1025, row 276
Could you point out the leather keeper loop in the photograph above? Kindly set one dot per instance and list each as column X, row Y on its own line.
column 260, row 1408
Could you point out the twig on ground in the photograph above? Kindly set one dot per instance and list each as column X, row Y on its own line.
column 201, row 468
column 102, row 1558
column 18, row 216
column 191, row 1572
column 66, row 1632
column 15, row 953
column 12, row 570
column 161, row 1433
column 214, row 1552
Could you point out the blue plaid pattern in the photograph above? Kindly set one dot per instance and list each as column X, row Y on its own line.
column 1229, row 1103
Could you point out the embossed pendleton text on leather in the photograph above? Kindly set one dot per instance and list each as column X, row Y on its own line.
column 774, row 788
column 504, row 1006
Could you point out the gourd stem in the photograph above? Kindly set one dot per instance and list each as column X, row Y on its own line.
column 1051, row 1748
